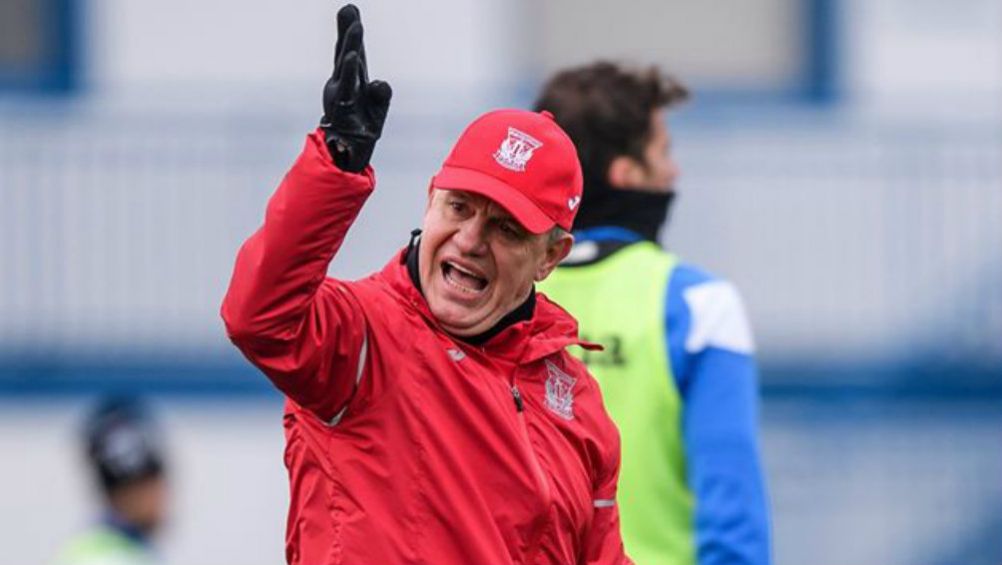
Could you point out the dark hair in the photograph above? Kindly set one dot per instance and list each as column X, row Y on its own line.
column 606, row 108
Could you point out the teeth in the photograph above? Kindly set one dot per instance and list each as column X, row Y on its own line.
column 465, row 272
column 463, row 279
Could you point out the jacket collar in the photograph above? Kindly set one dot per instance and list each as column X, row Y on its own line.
column 551, row 328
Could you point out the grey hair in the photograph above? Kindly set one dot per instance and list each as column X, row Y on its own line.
column 554, row 235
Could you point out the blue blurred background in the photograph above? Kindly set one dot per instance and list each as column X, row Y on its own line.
column 841, row 162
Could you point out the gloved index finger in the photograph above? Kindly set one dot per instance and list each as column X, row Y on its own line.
column 363, row 66
column 351, row 43
column 346, row 16
column 348, row 83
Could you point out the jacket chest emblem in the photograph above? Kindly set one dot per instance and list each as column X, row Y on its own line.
column 559, row 392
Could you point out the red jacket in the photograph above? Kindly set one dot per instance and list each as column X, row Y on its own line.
column 405, row 445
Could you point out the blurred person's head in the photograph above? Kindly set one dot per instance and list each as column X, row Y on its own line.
column 499, row 212
column 616, row 117
column 127, row 460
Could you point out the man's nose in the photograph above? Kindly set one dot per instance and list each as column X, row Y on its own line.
column 472, row 237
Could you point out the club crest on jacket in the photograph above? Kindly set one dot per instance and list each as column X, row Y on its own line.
column 559, row 392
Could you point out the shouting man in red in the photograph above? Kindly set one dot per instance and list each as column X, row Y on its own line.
column 433, row 415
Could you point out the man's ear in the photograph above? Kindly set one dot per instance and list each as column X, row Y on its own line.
column 431, row 193
column 624, row 172
column 555, row 253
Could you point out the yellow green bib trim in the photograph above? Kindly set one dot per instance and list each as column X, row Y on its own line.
column 619, row 302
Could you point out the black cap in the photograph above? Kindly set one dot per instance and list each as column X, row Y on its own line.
column 122, row 443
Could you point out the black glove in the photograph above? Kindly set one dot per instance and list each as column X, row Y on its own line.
column 354, row 108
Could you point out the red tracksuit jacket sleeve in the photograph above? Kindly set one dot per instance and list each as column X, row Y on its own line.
column 301, row 328
column 604, row 544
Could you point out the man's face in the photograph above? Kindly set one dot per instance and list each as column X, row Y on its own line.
column 659, row 171
column 477, row 263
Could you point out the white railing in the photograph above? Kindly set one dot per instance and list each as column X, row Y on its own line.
column 848, row 239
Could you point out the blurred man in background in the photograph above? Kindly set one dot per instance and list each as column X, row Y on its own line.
column 677, row 373
column 128, row 464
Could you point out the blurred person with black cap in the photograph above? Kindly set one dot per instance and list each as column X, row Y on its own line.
column 678, row 373
column 125, row 455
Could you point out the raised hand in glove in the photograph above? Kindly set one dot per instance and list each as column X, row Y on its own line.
column 354, row 108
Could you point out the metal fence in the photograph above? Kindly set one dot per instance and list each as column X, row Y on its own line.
column 859, row 244
column 885, row 482
column 852, row 241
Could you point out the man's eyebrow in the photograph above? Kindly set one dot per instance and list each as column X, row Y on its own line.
column 500, row 214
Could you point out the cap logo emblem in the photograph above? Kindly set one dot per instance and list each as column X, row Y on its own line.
column 573, row 202
column 516, row 150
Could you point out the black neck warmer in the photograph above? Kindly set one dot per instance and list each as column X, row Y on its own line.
column 643, row 212
column 521, row 313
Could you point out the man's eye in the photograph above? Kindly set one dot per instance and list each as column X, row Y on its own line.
column 457, row 206
column 510, row 230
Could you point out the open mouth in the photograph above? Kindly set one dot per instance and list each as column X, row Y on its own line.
column 463, row 279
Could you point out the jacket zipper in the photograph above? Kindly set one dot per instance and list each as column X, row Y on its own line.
column 518, row 399
column 537, row 469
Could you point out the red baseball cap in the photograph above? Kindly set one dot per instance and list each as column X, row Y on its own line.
column 523, row 161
